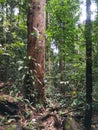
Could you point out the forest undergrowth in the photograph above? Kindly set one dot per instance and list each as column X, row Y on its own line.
column 17, row 113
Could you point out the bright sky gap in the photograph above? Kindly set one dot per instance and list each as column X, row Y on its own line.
column 82, row 18
column 83, row 11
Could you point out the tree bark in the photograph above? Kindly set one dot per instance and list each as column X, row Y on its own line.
column 36, row 24
column 88, row 38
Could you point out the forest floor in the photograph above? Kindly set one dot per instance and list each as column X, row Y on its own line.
column 17, row 114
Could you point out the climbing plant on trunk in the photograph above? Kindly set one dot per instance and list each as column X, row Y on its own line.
column 36, row 24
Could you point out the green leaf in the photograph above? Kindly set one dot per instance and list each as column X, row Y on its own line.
column 1, row 1
column 76, row 64
column 1, row 51
column 32, row 33
column 20, row 68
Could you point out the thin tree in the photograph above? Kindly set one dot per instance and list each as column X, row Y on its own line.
column 36, row 24
column 88, row 38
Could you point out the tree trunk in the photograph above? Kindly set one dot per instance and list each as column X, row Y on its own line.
column 36, row 44
column 88, row 38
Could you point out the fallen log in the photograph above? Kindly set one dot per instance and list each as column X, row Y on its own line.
column 8, row 105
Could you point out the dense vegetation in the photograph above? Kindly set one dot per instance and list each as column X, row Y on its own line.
column 65, row 82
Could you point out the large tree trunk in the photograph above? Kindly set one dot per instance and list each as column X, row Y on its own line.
column 88, row 38
column 36, row 43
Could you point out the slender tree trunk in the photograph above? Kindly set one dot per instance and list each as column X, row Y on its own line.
column 36, row 43
column 49, row 63
column 88, row 38
column 4, row 20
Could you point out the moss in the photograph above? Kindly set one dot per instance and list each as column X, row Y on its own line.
column 7, row 98
column 12, row 127
column 9, row 127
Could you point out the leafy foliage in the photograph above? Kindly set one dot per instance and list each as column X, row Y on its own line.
column 66, row 52
column 65, row 55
